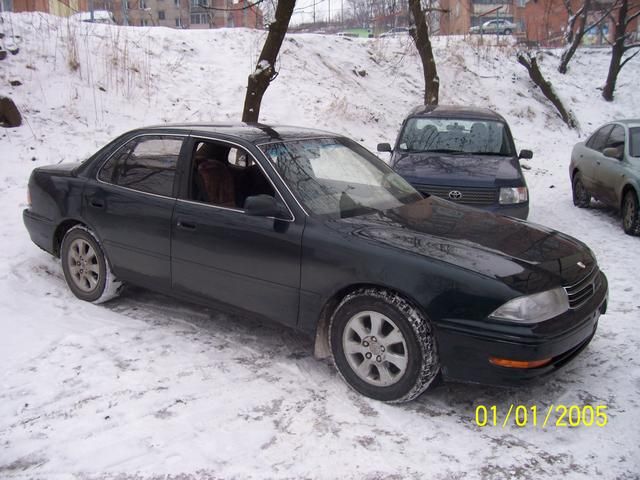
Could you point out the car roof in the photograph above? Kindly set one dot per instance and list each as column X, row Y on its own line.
column 255, row 133
column 455, row 111
column 629, row 122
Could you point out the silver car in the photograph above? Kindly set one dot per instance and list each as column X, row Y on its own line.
column 607, row 167
column 499, row 26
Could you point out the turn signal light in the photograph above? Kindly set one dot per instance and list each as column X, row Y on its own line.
column 503, row 362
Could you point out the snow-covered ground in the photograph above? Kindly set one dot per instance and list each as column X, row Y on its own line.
column 148, row 387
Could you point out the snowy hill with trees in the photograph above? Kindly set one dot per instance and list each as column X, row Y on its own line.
column 144, row 386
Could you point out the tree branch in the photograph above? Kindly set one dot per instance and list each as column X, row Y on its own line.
column 239, row 9
column 628, row 58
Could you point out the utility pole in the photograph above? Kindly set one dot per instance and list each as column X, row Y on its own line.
column 124, row 12
column 91, row 10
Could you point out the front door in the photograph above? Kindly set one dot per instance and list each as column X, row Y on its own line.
column 225, row 256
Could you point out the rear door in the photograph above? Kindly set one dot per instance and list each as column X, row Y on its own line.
column 221, row 255
column 130, row 204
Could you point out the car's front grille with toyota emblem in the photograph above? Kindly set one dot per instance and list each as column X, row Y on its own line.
column 466, row 195
column 579, row 293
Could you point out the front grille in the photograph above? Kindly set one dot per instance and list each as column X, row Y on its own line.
column 580, row 293
column 468, row 195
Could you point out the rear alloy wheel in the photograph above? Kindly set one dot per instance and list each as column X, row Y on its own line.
column 382, row 346
column 507, row 31
column 581, row 198
column 630, row 214
column 86, row 268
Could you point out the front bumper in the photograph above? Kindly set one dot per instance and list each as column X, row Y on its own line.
column 465, row 348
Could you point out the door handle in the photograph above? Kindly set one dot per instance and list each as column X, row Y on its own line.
column 186, row 225
column 94, row 202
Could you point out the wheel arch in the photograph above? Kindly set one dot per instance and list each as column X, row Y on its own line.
column 61, row 230
column 321, row 347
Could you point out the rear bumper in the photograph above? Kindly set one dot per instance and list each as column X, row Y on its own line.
column 465, row 350
column 40, row 230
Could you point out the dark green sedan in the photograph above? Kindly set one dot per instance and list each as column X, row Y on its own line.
column 607, row 167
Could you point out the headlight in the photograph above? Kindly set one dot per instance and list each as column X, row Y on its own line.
column 534, row 308
column 509, row 195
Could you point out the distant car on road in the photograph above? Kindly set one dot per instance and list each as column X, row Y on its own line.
column 310, row 230
column 463, row 154
column 498, row 26
column 348, row 34
column 607, row 167
column 396, row 32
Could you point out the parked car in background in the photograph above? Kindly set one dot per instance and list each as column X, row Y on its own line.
column 311, row 230
column 463, row 154
column 607, row 167
column 497, row 26
column 99, row 16
column 396, row 32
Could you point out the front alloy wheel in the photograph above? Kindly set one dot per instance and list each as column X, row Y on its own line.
column 581, row 197
column 630, row 214
column 383, row 346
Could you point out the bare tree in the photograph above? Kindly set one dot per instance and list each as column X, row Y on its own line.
column 530, row 62
column 626, row 13
column 420, row 35
column 265, row 71
column 576, row 29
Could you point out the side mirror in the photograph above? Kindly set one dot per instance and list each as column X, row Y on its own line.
column 384, row 147
column 262, row 206
column 613, row 153
column 526, row 154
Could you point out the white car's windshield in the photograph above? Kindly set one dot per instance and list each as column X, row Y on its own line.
column 451, row 135
column 338, row 178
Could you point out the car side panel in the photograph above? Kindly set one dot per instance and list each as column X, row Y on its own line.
column 334, row 262
column 56, row 196
column 584, row 159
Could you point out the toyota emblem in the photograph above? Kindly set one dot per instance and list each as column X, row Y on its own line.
column 455, row 195
column 582, row 265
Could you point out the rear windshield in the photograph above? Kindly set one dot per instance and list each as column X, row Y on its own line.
column 454, row 135
column 634, row 138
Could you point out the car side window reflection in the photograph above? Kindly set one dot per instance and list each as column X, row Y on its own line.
column 147, row 164
column 224, row 175
column 616, row 138
column 597, row 140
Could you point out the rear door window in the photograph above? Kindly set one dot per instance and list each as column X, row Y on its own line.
column 147, row 164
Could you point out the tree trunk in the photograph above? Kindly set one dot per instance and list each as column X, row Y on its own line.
column 531, row 64
column 617, row 51
column 575, row 38
column 421, row 38
column 265, row 72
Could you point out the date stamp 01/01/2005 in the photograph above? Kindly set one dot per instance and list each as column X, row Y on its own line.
column 551, row 416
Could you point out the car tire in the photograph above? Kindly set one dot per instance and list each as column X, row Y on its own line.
column 382, row 346
column 630, row 214
column 581, row 198
column 507, row 31
column 86, row 267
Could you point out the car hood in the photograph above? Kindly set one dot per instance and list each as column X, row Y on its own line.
column 448, row 169
column 520, row 254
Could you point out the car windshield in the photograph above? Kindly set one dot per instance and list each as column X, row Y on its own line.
column 338, row 178
column 452, row 135
column 634, row 145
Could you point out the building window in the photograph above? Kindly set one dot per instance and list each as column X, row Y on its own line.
column 178, row 22
column 160, row 14
column 199, row 19
column 177, row 3
column 143, row 4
